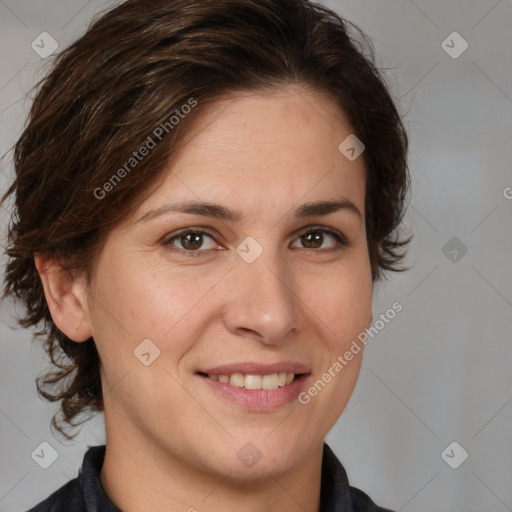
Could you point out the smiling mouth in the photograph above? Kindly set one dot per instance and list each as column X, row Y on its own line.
column 253, row 381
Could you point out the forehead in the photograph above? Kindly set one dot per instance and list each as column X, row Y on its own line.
column 288, row 119
column 271, row 148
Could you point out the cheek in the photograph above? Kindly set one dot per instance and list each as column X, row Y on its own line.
column 343, row 302
column 138, row 306
column 137, row 301
column 345, row 309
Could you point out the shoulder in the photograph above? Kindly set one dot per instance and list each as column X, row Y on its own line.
column 66, row 499
column 363, row 503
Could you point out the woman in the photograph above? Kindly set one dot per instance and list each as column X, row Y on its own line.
column 205, row 195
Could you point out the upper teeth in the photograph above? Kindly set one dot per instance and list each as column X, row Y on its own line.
column 272, row 381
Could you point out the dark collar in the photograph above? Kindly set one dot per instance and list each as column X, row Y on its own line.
column 334, row 490
column 93, row 494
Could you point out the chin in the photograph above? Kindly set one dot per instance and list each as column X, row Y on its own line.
column 248, row 460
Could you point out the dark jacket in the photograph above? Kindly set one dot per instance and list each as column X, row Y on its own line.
column 85, row 493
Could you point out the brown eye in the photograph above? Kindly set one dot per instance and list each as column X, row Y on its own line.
column 315, row 237
column 191, row 241
column 312, row 240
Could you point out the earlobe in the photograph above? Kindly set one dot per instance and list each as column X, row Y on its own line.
column 66, row 298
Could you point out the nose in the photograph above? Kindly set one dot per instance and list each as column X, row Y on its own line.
column 262, row 302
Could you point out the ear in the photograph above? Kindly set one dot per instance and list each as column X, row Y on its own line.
column 66, row 298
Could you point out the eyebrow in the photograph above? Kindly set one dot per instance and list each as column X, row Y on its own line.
column 217, row 211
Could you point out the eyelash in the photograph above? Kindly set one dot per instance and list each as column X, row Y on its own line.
column 339, row 237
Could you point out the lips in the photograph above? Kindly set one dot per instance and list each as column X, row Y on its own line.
column 254, row 381
column 252, row 368
column 256, row 375
column 256, row 386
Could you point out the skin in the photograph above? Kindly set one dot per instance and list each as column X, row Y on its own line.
column 172, row 442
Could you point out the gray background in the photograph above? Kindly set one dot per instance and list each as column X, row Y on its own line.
column 440, row 371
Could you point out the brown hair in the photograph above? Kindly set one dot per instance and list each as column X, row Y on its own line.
column 102, row 102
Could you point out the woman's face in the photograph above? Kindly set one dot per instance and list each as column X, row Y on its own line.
column 267, row 289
